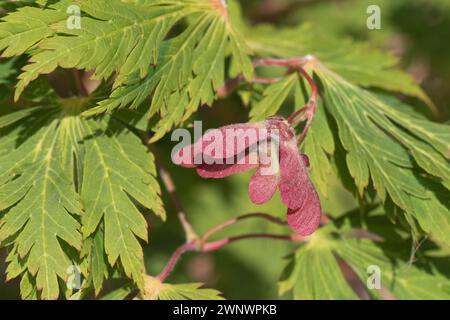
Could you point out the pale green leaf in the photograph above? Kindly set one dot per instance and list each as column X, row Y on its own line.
column 373, row 132
column 131, row 40
column 24, row 28
column 41, row 198
column 155, row 290
column 273, row 97
column 58, row 168
column 357, row 62
column 314, row 273
column 117, row 173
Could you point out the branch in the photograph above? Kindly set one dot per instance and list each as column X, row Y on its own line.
column 190, row 246
column 230, row 222
column 216, row 245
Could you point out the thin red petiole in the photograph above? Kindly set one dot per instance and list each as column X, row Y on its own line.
column 295, row 115
column 201, row 245
column 232, row 84
column 190, row 246
column 292, row 64
column 216, row 245
column 230, row 222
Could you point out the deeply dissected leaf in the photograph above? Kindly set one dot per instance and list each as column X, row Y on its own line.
column 23, row 29
column 370, row 131
column 314, row 272
column 155, row 290
column 58, row 169
column 72, row 189
column 131, row 39
column 402, row 280
column 189, row 72
column 357, row 62
column 319, row 146
column 117, row 173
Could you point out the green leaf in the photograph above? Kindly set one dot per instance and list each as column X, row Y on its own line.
column 96, row 258
column 319, row 146
column 118, row 174
column 357, row 62
column 366, row 66
column 130, row 39
column 58, row 168
column 119, row 294
column 377, row 138
column 314, row 273
column 273, row 97
column 110, row 39
column 404, row 281
column 189, row 72
column 40, row 197
column 15, row 117
column 155, row 290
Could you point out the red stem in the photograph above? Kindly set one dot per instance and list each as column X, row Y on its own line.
column 281, row 62
column 309, row 109
column 216, row 245
column 293, row 63
column 230, row 222
column 190, row 246
column 203, row 246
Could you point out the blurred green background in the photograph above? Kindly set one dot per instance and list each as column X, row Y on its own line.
column 417, row 31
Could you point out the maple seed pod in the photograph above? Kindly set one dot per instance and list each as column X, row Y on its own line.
column 232, row 149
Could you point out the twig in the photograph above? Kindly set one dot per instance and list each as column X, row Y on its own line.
column 309, row 110
column 232, row 84
column 230, row 222
column 216, row 245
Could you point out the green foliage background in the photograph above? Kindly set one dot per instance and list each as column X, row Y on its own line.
column 335, row 32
